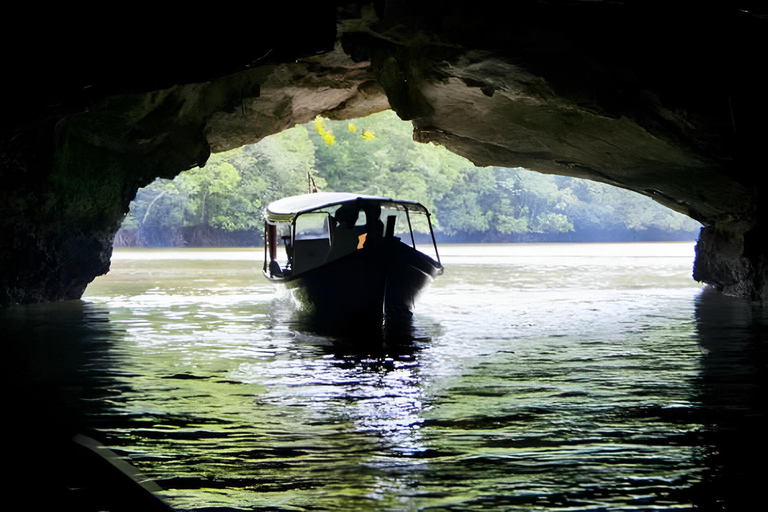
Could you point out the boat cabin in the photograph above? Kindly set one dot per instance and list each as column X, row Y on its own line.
column 307, row 231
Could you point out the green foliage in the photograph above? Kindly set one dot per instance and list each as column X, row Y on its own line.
column 377, row 155
column 228, row 194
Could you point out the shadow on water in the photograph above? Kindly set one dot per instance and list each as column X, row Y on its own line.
column 393, row 336
column 366, row 338
column 52, row 456
column 733, row 335
column 49, row 392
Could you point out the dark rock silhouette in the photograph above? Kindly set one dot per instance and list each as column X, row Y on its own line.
column 664, row 100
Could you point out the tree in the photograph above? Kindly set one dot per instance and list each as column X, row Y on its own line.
column 377, row 155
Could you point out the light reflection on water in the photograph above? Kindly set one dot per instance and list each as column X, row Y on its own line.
column 567, row 376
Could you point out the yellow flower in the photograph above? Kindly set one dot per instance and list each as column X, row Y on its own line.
column 319, row 125
column 368, row 135
column 327, row 135
column 352, row 127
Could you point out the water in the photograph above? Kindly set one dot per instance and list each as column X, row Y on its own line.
column 534, row 377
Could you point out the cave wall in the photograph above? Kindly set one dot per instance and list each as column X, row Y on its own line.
column 666, row 100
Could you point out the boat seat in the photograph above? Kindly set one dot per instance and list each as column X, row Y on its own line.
column 390, row 231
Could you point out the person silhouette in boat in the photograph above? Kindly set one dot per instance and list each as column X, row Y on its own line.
column 373, row 225
column 345, row 236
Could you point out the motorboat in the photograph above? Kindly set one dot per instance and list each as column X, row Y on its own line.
column 349, row 257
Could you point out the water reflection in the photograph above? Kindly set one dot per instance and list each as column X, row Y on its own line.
column 613, row 392
column 366, row 381
column 733, row 385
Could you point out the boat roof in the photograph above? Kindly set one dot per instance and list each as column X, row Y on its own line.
column 287, row 208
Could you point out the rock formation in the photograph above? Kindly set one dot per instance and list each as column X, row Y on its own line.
column 667, row 100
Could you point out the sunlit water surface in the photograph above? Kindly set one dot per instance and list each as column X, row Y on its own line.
column 534, row 377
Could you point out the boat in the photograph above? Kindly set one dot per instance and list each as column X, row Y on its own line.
column 351, row 258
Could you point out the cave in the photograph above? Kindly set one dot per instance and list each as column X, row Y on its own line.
column 667, row 101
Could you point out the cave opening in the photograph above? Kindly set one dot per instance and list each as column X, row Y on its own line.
column 220, row 380
column 221, row 203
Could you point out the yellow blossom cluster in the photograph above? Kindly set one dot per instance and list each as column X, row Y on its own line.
column 367, row 134
column 327, row 135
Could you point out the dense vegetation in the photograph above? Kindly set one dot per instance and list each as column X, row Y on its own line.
column 222, row 203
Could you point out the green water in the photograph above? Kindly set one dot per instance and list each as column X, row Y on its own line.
column 534, row 377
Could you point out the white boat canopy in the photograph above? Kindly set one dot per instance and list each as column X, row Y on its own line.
column 286, row 209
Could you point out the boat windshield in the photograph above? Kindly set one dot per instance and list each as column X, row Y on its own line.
column 314, row 237
column 405, row 221
column 412, row 227
column 313, row 226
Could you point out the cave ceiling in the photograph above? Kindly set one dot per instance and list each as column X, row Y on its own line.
column 667, row 99
column 642, row 95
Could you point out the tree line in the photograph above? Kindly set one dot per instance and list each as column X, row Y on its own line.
column 221, row 204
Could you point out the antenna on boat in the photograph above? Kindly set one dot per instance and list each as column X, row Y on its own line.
column 311, row 182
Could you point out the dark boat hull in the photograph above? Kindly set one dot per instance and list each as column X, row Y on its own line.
column 365, row 286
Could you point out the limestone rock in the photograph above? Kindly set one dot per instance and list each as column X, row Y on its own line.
column 665, row 100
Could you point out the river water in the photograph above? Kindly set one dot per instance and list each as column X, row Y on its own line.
column 533, row 377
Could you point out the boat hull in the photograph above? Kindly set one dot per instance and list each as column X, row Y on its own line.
column 366, row 286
